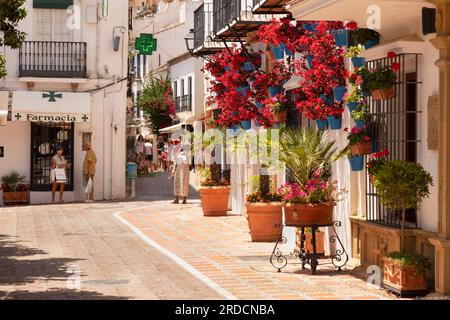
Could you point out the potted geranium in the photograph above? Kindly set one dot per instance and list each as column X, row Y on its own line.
column 376, row 161
column 359, row 141
column 401, row 185
column 264, row 211
column 15, row 190
column 278, row 106
column 214, row 191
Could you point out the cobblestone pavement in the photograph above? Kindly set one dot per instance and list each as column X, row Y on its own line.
column 150, row 250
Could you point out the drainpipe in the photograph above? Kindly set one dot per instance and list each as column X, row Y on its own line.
column 97, row 50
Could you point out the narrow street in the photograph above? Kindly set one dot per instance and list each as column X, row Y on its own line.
column 150, row 250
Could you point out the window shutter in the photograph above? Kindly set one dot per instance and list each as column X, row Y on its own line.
column 52, row 4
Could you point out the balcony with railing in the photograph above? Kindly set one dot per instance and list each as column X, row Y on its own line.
column 186, row 103
column 270, row 6
column 233, row 19
column 52, row 59
column 203, row 30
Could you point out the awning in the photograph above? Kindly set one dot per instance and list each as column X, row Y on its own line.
column 198, row 117
column 52, row 4
column 51, row 106
column 4, row 100
column 173, row 128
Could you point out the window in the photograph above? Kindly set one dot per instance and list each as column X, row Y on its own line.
column 175, row 89
column 182, row 88
column 45, row 137
column 190, row 93
column 51, row 25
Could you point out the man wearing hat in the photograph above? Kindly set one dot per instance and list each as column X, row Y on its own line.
column 90, row 160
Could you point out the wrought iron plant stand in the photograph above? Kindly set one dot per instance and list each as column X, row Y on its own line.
column 339, row 259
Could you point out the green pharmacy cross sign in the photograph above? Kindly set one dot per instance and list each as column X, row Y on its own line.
column 146, row 44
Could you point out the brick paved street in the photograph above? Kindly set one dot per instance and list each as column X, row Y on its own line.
column 150, row 250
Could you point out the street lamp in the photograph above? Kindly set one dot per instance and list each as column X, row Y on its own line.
column 190, row 41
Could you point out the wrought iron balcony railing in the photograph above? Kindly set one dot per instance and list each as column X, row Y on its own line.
column 186, row 103
column 177, row 104
column 51, row 59
column 199, row 26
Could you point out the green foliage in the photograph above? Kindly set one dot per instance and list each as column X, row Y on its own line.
column 361, row 113
column 354, row 96
column 402, row 184
column 362, row 35
column 382, row 78
column 12, row 180
column 211, row 176
column 353, row 52
column 156, row 100
column 304, row 152
column 262, row 186
column 418, row 263
column 11, row 13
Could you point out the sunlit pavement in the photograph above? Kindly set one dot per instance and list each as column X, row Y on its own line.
column 151, row 249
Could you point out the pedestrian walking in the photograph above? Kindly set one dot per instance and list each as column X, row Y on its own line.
column 149, row 155
column 58, row 176
column 90, row 161
column 180, row 171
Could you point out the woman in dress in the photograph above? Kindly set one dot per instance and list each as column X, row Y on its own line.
column 58, row 162
column 181, row 173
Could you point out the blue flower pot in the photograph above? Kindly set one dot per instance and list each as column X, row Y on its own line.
column 360, row 124
column 278, row 51
column 243, row 90
column 358, row 62
column 340, row 37
column 352, row 106
column 246, row 125
column 322, row 124
column 356, row 163
column 309, row 61
column 248, row 66
column 273, row 91
column 335, row 123
column 311, row 27
column 366, row 94
column 226, row 68
column 371, row 43
column 258, row 105
column 326, row 99
column 339, row 93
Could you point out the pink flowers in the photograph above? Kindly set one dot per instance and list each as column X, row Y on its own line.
column 352, row 25
column 315, row 191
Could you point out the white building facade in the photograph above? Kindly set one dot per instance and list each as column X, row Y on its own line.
column 66, row 85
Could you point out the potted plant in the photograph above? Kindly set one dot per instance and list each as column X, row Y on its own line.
column 354, row 53
column 15, row 191
column 353, row 98
column 360, row 142
column 214, row 191
column 401, row 185
column 361, row 114
column 279, row 106
column 382, row 81
column 376, row 161
column 264, row 211
column 334, row 116
column 341, row 36
column 368, row 38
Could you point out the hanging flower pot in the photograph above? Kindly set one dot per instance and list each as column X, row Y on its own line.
column 358, row 62
column 371, row 43
column 278, row 51
column 322, row 124
column 288, row 52
column 360, row 124
column 356, row 163
column 248, row 66
column 383, row 94
column 361, row 148
column 259, row 105
column 309, row 61
column 335, row 122
column 311, row 27
column 246, row 124
column 243, row 90
column 280, row 117
column 340, row 37
column 326, row 99
column 352, row 106
column 273, row 91
column 339, row 93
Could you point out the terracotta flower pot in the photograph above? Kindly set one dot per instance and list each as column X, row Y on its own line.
column 214, row 200
column 303, row 215
column 383, row 94
column 280, row 117
column 264, row 221
column 402, row 279
column 320, row 246
column 361, row 148
column 14, row 198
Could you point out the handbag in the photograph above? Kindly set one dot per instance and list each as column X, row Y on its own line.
column 88, row 186
column 60, row 175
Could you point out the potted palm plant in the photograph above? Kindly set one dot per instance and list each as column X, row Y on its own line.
column 401, row 185
column 264, row 211
column 15, row 190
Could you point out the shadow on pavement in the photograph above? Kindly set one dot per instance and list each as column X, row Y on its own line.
column 15, row 270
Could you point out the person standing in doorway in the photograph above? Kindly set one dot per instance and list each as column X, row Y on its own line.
column 58, row 162
column 90, row 161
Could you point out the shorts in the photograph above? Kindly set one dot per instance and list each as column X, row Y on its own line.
column 149, row 157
